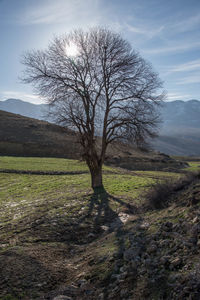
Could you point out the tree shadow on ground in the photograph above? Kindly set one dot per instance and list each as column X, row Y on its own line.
column 28, row 268
column 101, row 211
column 40, row 234
column 45, row 224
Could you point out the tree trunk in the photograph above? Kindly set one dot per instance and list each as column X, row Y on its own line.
column 94, row 164
column 96, row 178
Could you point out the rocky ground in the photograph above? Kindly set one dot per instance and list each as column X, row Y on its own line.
column 157, row 256
column 140, row 253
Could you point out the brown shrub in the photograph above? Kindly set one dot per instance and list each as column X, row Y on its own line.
column 158, row 196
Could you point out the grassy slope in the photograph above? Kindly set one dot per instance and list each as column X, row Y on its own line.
column 22, row 136
column 41, row 164
column 47, row 216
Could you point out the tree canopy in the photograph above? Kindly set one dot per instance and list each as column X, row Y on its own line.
column 99, row 86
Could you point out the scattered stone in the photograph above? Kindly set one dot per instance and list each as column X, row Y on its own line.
column 167, row 226
column 152, row 248
column 164, row 260
column 82, row 283
column 173, row 277
column 195, row 220
column 104, row 227
column 62, row 297
column 176, row 262
column 123, row 217
column 145, row 225
column 102, row 259
column 133, row 264
column 163, row 243
column 124, row 293
column 131, row 253
column 91, row 235
column 101, row 296
column 71, row 290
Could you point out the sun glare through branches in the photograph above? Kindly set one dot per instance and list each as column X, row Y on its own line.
column 71, row 49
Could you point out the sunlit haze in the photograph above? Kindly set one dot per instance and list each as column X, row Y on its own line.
column 71, row 50
column 166, row 33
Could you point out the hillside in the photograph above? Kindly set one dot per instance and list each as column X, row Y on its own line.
column 22, row 136
column 179, row 132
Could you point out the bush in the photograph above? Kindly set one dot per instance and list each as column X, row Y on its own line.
column 158, row 196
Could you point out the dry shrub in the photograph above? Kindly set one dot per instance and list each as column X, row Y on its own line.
column 159, row 195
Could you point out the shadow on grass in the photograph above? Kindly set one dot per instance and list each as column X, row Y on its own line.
column 51, row 239
column 61, row 221
column 40, row 232
column 101, row 211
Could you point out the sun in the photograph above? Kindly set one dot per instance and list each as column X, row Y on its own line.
column 71, row 49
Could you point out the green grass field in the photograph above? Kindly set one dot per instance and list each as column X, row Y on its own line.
column 44, row 216
column 41, row 164
column 194, row 166
column 18, row 187
column 28, row 197
column 31, row 196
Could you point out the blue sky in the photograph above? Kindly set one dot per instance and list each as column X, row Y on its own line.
column 165, row 32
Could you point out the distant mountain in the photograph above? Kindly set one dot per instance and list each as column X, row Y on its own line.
column 179, row 132
column 180, row 114
column 17, row 106
column 185, row 142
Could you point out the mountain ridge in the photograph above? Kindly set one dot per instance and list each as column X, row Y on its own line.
column 24, row 108
column 179, row 133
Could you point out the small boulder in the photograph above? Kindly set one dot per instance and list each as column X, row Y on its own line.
column 62, row 297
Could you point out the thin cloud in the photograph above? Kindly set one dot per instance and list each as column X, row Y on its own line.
column 173, row 49
column 144, row 31
column 177, row 96
column 189, row 66
column 187, row 24
column 189, row 79
column 53, row 12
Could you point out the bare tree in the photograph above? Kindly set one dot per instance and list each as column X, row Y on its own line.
column 99, row 86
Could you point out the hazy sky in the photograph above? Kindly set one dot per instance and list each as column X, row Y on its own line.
column 165, row 32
